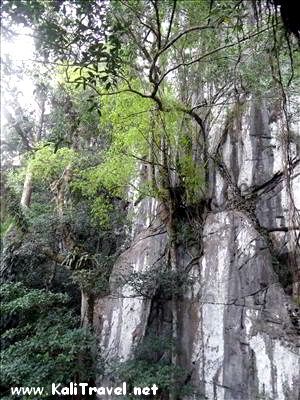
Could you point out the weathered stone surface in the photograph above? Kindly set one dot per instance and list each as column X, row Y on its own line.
column 237, row 336
column 243, row 326
column 121, row 318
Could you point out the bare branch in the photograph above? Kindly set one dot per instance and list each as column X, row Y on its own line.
column 138, row 16
column 137, row 42
column 179, row 35
column 200, row 58
column 158, row 23
column 171, row 21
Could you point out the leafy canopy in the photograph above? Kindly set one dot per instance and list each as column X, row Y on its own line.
column 40, row 341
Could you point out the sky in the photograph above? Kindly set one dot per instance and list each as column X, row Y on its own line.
column 21, row 51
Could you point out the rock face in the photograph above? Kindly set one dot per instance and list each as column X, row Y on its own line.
column 237, row 327
column 121, row 319
column 244, row 345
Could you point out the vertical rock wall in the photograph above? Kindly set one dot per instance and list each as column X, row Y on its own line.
column 120, row 319
column 238, row 329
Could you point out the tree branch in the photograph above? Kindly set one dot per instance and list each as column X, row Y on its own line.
column 171, row 21
column 200, row 58
column 154, row 3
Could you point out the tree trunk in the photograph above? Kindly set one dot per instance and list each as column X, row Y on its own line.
column 27, row 189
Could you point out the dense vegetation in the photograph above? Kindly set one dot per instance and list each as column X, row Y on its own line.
column 126, row 93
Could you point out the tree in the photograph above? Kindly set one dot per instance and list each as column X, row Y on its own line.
column 40, row 342
column 144, row 83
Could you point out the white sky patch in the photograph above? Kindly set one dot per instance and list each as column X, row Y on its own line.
column 21, row 47
column 20, row 50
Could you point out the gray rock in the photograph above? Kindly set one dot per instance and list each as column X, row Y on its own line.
column 237, row 329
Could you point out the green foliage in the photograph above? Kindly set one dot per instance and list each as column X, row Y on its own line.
column 163, row 282
column 5, row 226
column 131, row 120
column 40, row 341
column 193, row 178
column 15, row 180
column 16, row 298
column 113, row 175
column 142, row 373
column 152, row 365
column 46, row 164
column 128, row 118
column 65, row 28
column 72, row 121
column 12, row 211
column 95, row 279
column 90, row 271
column 125, row 115
column 100, row 211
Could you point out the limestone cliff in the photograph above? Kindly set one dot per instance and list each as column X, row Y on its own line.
column 237, row 331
